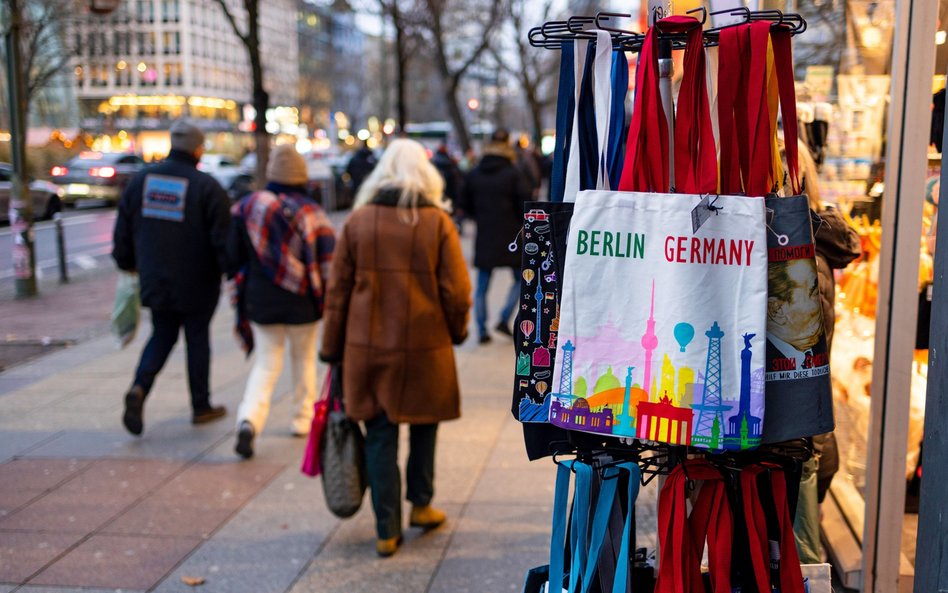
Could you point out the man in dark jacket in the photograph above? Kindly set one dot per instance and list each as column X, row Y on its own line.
column 493, row 195
column 360, row 165
column 171, row 229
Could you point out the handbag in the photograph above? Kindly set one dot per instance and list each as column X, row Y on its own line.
column 342, row 457
column 647, row 270
column 311, row 456
column 126, row 309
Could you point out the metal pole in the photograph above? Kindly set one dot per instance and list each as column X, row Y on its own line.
column 61, row 248
column 21, row 208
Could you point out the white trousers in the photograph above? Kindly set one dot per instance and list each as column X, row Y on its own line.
column 269, row 342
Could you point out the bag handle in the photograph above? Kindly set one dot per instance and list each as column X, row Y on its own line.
column 564, row 111
column 696, row 166
column 571, row 184
column 757, row 164
column 607, row 495
column 732, row 97
column 620, row 582
column 646, row 163
column 783, row 67
column 558, row 533
column 580, row 526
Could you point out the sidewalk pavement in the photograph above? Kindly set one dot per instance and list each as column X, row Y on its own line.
column 85, row 506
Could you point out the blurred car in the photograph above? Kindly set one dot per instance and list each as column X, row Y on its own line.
column 217, row 163
column 47, row 197
column 96, row 176
column 235, row 182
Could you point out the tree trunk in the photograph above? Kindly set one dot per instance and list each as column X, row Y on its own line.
column 401, row 73
column 457, row 117
column 261, row 102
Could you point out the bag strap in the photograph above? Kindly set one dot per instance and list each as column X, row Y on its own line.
column 602, row 92
column 696, row 166
column 572, row 176
column 621, row 580
column 607, row 494
column 580, row 525
column 620, row 88
column 757, row 165
column 730, row 75
column 646, row 162
column 558, row 533
column 783, row 66
column 565, row 109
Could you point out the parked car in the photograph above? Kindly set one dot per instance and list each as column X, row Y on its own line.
column 96, row 176
column 235, row 182
column 215, row 163
column 47, row 197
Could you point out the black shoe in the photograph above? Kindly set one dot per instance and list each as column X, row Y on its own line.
column 134, row 403
column 208, row 415
column 485, row 339
column 244, row 446
column 503, row 328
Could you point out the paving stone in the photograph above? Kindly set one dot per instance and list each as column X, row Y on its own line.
column 23, row 554
column 19, row 442
column 22, row 480
column 117, row 562
column 43, row 589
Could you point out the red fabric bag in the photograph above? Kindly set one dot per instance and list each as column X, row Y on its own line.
column 311, row 466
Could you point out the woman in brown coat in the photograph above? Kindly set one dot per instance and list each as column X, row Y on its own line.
column 398, row 300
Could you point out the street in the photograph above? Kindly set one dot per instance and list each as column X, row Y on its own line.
column 88, row 236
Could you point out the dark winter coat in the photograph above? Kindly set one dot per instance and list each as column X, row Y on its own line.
column 837, row 244
column 398, row 297
column 493, row 195
column 175, row 235
column 450, row 173
column 359, row 166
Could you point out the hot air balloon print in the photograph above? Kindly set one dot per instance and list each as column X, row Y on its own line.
column 684, row 333
column 541, row 387
column 529, row 275
column 526, row 326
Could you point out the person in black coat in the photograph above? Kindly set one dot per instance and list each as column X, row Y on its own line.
column 493, row 195
column 359, row 166
column 171, row 229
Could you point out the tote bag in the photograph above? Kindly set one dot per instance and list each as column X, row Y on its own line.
column 662, row 319
column 797, row 381
column 545, row 225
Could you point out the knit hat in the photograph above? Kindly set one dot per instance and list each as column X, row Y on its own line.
column 287, row 166
column 186, row 136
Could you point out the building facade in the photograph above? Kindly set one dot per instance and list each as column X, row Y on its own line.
column 152, row 61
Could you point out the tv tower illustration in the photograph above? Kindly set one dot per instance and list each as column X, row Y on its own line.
column 744, row 429
column 566, row 375
column 650, row 343
column 539, row 299
column 711, row 418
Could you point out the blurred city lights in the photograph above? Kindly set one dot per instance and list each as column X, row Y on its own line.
column 473, row 104
column 364, row 134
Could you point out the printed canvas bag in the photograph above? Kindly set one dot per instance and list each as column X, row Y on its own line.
column 662, row 319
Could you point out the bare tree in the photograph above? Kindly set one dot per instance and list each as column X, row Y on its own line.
column 535, row 70
column 43, row 47
column 459, row 33
column 261, row 98
column 403, row 15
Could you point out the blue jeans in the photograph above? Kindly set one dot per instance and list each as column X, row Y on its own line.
column 166, row 325
column 480, row 298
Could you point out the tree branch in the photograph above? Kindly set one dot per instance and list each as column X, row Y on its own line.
column 233, row 23
column 485, row 41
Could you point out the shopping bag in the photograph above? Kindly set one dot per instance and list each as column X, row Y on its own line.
column 646, row 273
column 126, row 309
column 342, row 458
column 798, row 373
column 311, row 456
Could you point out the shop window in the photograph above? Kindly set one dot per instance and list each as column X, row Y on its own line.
column 173, row 74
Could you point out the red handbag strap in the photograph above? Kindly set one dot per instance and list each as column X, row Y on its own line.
column 757, row 164
column 646, row 162
column 696, row 167
column 791, row 578
column 783, row 64
column 682, row 537
column 730, row 100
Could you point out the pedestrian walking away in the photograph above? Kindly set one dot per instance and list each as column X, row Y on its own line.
column 493, row 195
column 279, row 249
column 360, row 166
column 398, row 299
column 171, row 228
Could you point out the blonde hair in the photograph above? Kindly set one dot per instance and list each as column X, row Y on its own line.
column 404, row 166
column 809, row 176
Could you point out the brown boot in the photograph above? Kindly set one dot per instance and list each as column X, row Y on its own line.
column 387, row 547
column 426, row 517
